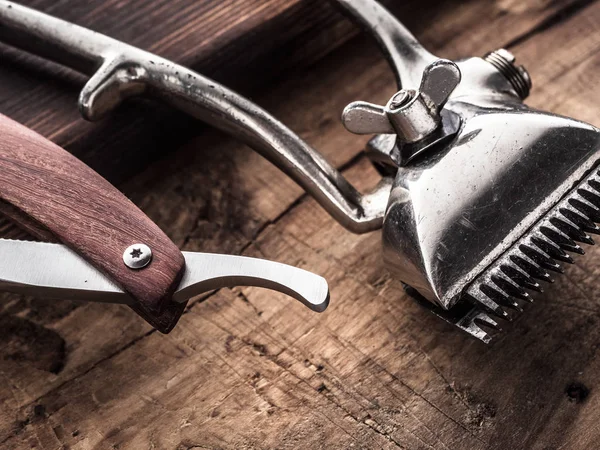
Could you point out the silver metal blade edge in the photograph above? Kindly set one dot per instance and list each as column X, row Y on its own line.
column 55, row 271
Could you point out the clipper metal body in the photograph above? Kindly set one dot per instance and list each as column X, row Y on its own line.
column 457, row 147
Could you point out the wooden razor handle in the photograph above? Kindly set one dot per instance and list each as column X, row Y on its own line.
column 52, row 194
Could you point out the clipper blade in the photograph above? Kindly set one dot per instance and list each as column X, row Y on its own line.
column 506, row 286
column 511, row 279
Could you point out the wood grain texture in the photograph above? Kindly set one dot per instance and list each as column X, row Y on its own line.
column 62, row 196
column 248, row 369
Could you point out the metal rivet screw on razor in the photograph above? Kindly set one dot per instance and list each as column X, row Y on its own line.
column 137, row 256
column 482, row 195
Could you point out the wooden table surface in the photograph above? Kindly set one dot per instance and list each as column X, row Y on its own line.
column 247, row 368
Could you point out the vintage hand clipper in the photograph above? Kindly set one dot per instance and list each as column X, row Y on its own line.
column 480, row 194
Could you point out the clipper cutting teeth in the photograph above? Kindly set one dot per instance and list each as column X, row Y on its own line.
column 505, row 284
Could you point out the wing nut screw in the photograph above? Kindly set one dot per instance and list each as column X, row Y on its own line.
column 414, row 116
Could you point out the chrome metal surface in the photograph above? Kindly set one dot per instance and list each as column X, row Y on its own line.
column 505, row 284
column 414, row 116
column 119, row 71
column 206, row 272
column 54, row 271
column 474, row 221
column 455, row 213
column 137, row 256
column 411, row 114
column 414, row 120
column 452, row 214
column 465, row 316
column 504, row 61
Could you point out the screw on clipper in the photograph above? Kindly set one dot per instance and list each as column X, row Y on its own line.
column 416, row 117
column 518, row 77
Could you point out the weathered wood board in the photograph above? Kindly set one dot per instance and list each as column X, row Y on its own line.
column 246, row 368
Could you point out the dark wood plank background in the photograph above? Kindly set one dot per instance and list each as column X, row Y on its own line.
column 246, row 368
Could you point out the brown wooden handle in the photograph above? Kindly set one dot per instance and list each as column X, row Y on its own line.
column 50, row 192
